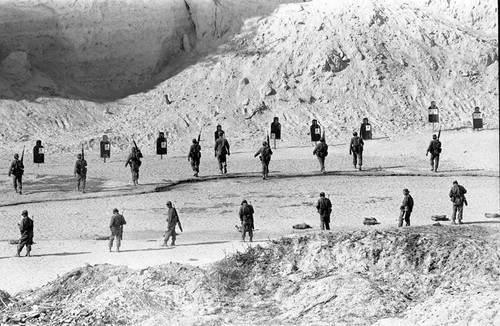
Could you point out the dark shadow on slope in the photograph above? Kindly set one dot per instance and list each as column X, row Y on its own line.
column 76, row 83
column 62, row 254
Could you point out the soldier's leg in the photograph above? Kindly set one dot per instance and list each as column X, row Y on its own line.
column 78, row 183
column 250, row 234
column 118, row 242
column 436, row 164
column 407, row 218
column 243, row 231
column 460, row 210
column 454, row 214
column 84, row 181
column 28, row 250
column 327, row 223
column 167, row 237
column 110, row 243
column 400, row 219
column 20, row 183
column 360, row 159
column 220, row 163
column 174, row 237
column 354, row 159
column 20, row 247
column 432, row 162
column 14, row 181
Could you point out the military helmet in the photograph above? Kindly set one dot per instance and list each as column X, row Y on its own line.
column 406, row 191
column 264, row 143
column 24, row 213
column 244, row 201
column 434, row 136
column 322, row 194
column 194, row 141
column 355, row 133
column 79, row 156
column 169, row 203
column 16, row 156
column 115, row 210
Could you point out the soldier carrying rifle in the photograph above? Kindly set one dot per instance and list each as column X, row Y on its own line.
column 134, row 160
column 194, row 155
column 17, row 170
column 80, row 171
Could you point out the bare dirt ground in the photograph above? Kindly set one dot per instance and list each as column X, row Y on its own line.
column 66, row 222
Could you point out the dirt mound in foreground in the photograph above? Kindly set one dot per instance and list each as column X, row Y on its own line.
column 425, row 275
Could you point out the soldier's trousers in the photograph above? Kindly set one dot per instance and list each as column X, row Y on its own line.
column 26, row 240
column 321, row 163
column 457, row 209
column 195, row 165
column 222, row 161
column 357, row 158
column 17, row 179
column 115, row 234
column 325, row 222
column 434, row 162
column 246, row 227
column 170, row 233
column 265, row 168
column 404, row 216
column 135, row 174
column 80, row 179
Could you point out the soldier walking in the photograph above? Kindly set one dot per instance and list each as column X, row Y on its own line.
column 80, row 172
column 116, row 227
column 246, row 219
column 17, row 170
column 194, row 156
column 435, row 149
column 356, row 150
column 172, row 221
column 134, row 160
column 26, row 228
column 406, row 208
column 324, row 207
column 321, row 151
column 265, row 153
column 221, row 149
column 457, row 197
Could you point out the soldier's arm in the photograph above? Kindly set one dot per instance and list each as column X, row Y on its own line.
column 76, row 166
column 111, row 222
column 11, row 169
column 464, row 191
column 258, row 152
column 227, row 146
column 350, row 147
column 123, row 220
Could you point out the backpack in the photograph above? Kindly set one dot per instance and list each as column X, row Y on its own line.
column 195, row 151
column 323, row 151
column 18, row 167
column 266, row 154
column 437, row 147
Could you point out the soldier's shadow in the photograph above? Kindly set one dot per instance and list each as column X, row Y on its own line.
column 43, row 183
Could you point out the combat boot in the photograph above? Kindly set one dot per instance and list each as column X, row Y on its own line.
column 225, row 169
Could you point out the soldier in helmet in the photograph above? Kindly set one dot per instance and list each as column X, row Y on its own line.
column 172, row 221
column 80, row 172
column 116, row 226
column 246, row 219
column 17, row 170
column 265, row 153
column 221, row 149
column 194, row 156
column 321, row 151
column 218, row 132
column 356, row 149
column 435, row 149
column 134, row 160
column 26, row 227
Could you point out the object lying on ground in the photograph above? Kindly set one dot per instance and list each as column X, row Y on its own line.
column 302, row 226
column 238, row 228
column 492, row 215
column 370, row 221
column 101, row 237
column 14, row 241
column 439, row 218
column 437, row 224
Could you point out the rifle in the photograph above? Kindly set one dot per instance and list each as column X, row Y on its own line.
column 439, row 133
column 22, row 158
column 268, row 143
column 83, row 153
column 137, row 148
column 178, row 220
column 199, row 137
